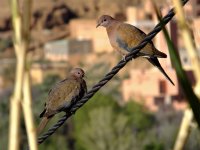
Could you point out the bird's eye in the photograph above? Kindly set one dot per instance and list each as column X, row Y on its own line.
column 104, row 20
column 78, row 72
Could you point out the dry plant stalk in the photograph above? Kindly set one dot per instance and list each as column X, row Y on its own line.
column 188, row 115
column 15, row 110
column 184, row 129
column 188, row 44
column 21, row 24
column 27, row 109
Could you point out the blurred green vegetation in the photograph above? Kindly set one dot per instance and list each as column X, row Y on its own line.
column 8, row 74
column 102, row 124
column 5, row 43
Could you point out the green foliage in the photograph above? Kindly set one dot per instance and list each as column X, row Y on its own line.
column 105, row 131
column 154, row 146
column 8, row 74
column 56, row 142
column 139, row 118
column 4, row 115
column 104, row 125
column 5, row 43
column 97, row 101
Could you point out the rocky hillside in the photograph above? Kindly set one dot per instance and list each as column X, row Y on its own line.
column 50, row 13
column 50, row 17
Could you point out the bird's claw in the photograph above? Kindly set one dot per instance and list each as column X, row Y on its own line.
column 72, row 112
column 124, row 57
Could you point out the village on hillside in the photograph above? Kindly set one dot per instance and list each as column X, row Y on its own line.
column 60, row 42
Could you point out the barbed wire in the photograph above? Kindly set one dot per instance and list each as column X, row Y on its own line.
column 79, row 103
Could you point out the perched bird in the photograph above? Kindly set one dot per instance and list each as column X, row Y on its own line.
column 123, row 37
column 61, row 95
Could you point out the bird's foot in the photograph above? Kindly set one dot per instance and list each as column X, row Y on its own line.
column 73, row 112
column 135, row 56
column 124, row 57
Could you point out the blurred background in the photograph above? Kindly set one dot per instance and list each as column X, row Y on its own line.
column 137, row 110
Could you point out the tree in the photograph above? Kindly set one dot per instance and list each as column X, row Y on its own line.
column 106, row 130
column 102, row 124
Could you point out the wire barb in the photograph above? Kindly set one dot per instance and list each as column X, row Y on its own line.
column 110, row 75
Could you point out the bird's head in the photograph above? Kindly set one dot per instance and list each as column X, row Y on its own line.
column 77, row 73
column 104, row 21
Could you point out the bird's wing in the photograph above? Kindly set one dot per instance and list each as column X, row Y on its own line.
column 129, row 36
column 53, row 89
column 61, row 95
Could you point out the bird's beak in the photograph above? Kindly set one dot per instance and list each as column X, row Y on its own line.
column 98, row 25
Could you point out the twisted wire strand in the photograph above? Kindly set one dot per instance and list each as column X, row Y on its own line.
column 109, row 76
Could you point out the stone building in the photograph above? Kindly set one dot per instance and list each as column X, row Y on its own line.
column 85, row 29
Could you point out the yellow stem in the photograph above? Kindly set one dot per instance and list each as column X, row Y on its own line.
column 15, row 109
column 184, row 130
column 188, row 40
column 21, row 34
column 195, row 62
column 27, row 109
column 14, row 124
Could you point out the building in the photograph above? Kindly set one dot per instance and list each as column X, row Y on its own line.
column 56, row 50
column 64, row 50
column 150, row 87
column 85, row 29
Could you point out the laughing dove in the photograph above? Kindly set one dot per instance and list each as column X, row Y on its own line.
column 61, row 95
column 123, row 37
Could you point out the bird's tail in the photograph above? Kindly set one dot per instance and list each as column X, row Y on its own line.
column 155, row 62
column 160, row 54
column 42, row 124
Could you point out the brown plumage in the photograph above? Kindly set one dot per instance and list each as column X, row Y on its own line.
column 123, row 37
column 61, row 95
